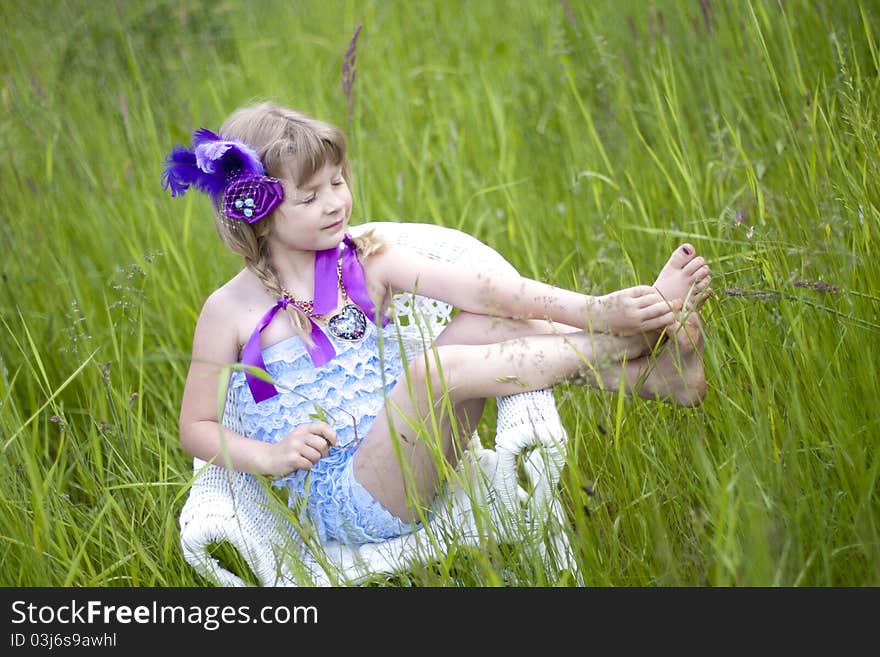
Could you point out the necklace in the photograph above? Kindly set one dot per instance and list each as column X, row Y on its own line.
column 349, row 323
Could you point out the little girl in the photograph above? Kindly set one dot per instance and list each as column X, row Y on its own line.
column 280, row 184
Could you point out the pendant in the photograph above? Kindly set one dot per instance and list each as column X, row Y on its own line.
column 349, row 324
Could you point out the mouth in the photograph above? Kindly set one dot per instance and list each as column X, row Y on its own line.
column 335, row 226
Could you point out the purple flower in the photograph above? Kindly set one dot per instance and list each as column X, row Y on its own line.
column 250, row 198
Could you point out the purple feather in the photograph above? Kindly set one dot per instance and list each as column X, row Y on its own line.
column 210, row 165
column 180, row 171
column 203, row 135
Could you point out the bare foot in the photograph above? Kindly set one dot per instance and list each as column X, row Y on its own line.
column 676, row 375
column 685, row 276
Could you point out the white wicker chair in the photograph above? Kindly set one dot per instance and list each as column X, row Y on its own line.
column 488, row 502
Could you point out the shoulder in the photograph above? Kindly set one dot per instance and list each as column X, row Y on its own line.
column 224, row 301
column 227, row 315
column 383, row 266
column 398, row 265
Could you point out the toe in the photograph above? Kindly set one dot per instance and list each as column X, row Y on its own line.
column 694, row 266
column 682, row 255
column 700, row 298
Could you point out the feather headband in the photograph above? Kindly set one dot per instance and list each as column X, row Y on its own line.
column 227, row 170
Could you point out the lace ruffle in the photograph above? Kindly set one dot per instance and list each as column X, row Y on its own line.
column 340, row 508
column 348, row 392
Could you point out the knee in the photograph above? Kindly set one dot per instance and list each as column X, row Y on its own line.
column 437, row 371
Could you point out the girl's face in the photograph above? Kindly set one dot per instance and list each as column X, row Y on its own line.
column 314, row 216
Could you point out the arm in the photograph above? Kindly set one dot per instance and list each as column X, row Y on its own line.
column 215, row 344
column 631, row 310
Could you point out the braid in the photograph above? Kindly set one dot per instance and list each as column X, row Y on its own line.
column 265, row 272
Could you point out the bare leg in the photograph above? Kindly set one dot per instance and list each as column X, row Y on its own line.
column 475, row 372
column 466, row 329
column 470, row 329
column 516, row 356
column 674, row 374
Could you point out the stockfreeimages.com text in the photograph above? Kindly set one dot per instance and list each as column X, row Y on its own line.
column 210, row 617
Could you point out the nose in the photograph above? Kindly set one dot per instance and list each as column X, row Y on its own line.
column 333, row 202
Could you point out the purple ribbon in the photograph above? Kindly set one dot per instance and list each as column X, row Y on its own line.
column 326, row 298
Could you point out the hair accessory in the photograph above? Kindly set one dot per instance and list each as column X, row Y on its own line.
column 226, row 167
column 250, row 198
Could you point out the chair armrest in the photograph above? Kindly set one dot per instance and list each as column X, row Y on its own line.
column 233, row 507
column 525, row 421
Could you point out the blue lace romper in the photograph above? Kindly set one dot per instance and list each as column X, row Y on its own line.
column 350, row 390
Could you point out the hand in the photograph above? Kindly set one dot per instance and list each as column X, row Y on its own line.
column 300, row 449
column 633, row 310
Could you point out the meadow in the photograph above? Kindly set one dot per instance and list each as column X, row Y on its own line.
column 582, row 140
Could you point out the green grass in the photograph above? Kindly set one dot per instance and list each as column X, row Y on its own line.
column 581, row 140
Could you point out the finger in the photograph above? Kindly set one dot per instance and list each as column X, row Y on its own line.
column 658, row 299
column 650, row 299
column 328, row 433
column 317, row 442
column 311, row 454
column 661, row 308
column 664, row 320
column 637, row 291
column 317, row 426
column 324, row 430
column 642, row 290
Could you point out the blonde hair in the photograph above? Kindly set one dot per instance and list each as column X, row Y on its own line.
column 288, row 143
